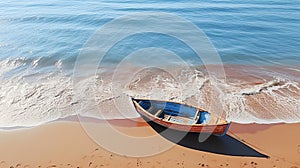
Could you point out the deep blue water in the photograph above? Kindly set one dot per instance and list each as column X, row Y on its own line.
column 42, row 34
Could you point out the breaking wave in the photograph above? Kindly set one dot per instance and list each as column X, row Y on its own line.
column 247, row 94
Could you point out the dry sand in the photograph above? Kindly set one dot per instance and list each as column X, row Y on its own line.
column 66, row 144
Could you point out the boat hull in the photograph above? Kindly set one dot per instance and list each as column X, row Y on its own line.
column 218, row 130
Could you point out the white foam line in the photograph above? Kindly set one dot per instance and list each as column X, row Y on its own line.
column 294, row 69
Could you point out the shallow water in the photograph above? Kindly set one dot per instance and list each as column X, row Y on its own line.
column 40, row 41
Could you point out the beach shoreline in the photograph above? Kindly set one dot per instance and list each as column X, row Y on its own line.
column 248, row 94
column 66, row 144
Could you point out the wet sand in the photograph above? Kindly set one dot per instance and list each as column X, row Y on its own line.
column 66, row 144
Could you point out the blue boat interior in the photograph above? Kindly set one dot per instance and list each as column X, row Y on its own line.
column 175, row 112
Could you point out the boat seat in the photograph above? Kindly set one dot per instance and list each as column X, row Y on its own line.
column 196, row 119
column 182, row 120
column 158, row 112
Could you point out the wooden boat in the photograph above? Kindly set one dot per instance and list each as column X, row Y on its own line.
column 181, row 117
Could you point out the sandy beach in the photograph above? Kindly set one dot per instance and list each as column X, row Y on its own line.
column 70, row 70
column 66, row 144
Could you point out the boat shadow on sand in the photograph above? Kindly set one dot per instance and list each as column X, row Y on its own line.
column 225, row 145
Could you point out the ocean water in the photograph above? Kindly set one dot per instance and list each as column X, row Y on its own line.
column 257, row 41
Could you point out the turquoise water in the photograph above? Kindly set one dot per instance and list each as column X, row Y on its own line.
column 40, row 41
column 243, row 32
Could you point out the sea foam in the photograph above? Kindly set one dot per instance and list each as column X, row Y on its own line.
column 30, row 100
